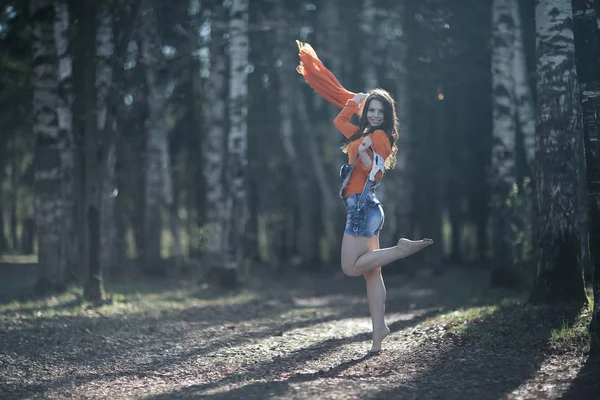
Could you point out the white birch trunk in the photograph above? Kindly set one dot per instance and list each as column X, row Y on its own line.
column 503, row 104
column 65, row 126
column 214, row 151
column 48, row 200
column 104, row 80
column 523, row 96
column 558, row 158
column 329, row 150
column 398, row 182
column 236, row 199
column 367, row 53
column 307, row 252
column 155, row 183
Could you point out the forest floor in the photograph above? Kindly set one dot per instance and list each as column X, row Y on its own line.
column 295, row 337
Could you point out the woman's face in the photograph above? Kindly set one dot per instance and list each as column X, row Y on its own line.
column 375, row 113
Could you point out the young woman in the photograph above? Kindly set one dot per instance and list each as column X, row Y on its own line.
column 371, row 149
column 374, row 135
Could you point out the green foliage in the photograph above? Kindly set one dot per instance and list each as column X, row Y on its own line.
column 515, row 208
column 573, row 337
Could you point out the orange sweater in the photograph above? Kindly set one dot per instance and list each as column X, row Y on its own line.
column 380, row 143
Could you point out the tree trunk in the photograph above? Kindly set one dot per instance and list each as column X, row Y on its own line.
column 334, row 40
column 587, row 47
column 398, row 181
column 197, row 69
column 236, row 196
column 559, row 159
column 215, row 148
column 504, row 128
column 14, row 183
column 93, row 287
column 3, row 241
column 159, row 187
column 523, row 96
column 306, row 251
column 48, row 200
column 368, row 27
column 65, row 125
column 104, row 81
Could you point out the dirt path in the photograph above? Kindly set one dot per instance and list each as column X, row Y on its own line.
column 294, row 339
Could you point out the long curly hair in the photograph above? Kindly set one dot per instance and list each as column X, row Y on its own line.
column 389, row 125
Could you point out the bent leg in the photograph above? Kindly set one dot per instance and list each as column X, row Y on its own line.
column 356, row 260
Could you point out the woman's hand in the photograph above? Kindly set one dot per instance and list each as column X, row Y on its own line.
column 359, row 97
column 365, row 144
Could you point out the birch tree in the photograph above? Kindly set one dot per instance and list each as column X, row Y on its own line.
column 236, row 197
column 214, row 150
column 104, row 80
column 559, row 159
column 307, row 241
column 93, row 286
column 587, row 46
column 65, row 125
column 367, row 53
column 512, row 111
column 504, row 125
column 159, row 187
column 399, row 185
column 48, row 201
column 522, row 89
column 333, row 45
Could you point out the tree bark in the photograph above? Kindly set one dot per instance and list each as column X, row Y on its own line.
column 327, row 147
column 104, row 80
column 236, row 195
column 69, row 241
column 587, row 47
column 504, row 127
column 159, row 186
column 306, row 252
column 3, row 241
column 48, row 200
column 93, row 287
column 559, row 159
column 398, row 182
column 214, row 151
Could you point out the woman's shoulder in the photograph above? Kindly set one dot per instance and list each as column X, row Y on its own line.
column 379, row 134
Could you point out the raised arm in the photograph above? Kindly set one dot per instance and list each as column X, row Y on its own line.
column 347, row 120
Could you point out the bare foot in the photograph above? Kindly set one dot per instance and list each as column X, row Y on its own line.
column 407, row 247
column 378, row 336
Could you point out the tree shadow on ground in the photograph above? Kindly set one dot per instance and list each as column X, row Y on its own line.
column 99, row 349
column 137, row 345
column 280, row 371
column 489, row 360
column 587, row 383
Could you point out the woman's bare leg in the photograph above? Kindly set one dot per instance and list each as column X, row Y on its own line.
column 376, row 294
column 356, row 260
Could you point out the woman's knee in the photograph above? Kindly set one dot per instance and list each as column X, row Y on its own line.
column 349, row 270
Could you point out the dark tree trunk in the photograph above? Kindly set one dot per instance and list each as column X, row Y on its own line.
column 559, row 160
column 3, row 241
column 587, row 47
column 93, row 288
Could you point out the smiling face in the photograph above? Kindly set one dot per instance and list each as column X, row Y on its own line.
column 375, row 115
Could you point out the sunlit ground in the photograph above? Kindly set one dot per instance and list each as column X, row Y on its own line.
column 452, row 337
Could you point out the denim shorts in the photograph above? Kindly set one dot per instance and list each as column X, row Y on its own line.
column 366, row 221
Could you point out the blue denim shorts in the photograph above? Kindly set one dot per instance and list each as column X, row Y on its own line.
column 366, row 221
